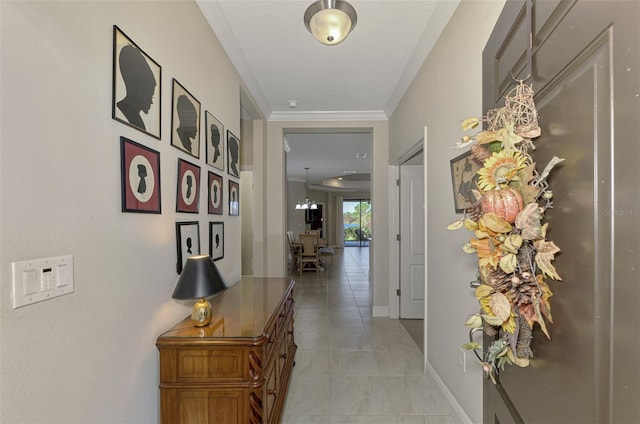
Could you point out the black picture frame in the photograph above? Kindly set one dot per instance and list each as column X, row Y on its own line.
column 234, row 198
column 137, row 86
column 187, row 242
column 188, row 187
column 185, row 120
column 216, row 240
column 464, row 179
column 233, row 154
column 140, row 178
column 214, row 131
column 216, row 194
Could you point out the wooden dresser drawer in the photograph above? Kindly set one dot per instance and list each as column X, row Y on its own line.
column 209, row 364
column 186, row 406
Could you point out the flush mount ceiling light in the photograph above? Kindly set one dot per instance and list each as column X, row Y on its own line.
column 330, row 21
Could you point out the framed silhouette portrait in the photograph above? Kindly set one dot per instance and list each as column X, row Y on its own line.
column 188, row 190
column 216, row 240
column 215, row 194
column 464, row 177
column 136, row 99
column 140, row 177
column 185, row 121
column 214, row 131
column 187, row 242
column 234, row 198
column 233, row 154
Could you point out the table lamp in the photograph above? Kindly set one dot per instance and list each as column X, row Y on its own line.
column 200, row 278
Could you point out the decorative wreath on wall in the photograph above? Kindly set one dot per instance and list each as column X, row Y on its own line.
column 509, row 237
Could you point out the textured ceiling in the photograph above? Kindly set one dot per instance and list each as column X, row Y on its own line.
column 362, row 78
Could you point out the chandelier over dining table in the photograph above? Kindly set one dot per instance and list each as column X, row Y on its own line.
column 307, row 204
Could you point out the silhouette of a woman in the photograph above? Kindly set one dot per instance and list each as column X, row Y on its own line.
column 139, row 83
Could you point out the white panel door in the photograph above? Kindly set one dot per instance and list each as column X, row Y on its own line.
column 412, row 275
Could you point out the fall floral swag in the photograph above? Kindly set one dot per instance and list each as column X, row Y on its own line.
column 509, row 238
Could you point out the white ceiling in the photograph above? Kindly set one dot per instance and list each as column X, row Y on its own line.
column 362, row 78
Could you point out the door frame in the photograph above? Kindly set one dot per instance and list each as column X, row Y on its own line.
column 394, row 231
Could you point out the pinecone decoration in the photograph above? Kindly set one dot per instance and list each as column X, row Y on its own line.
column 474, row 213
column 499, row 280
column 480, row 153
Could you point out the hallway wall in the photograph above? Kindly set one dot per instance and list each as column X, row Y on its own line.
column 90, row 356
column 446, row 90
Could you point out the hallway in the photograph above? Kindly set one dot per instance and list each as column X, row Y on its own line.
column 352, row 368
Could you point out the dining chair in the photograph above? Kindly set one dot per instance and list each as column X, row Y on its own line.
column 309, row 253
column 294, row 248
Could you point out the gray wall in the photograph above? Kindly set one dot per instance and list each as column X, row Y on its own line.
column 446, row 90
column 90, row 356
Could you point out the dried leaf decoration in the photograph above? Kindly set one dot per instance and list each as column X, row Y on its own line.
column 508, row 263
column 528, row 222
column 512, row 244
column 546, row 253
column 495, row 223
column 529, row 192
column 543, row 326
column 470, row 123
column 474, row 321
column 455, row 225
column 492, row 320
column 500, row 306
column 545, row 306
column 487, row 137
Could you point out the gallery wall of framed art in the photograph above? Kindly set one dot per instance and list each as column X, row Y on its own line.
column 204, row 150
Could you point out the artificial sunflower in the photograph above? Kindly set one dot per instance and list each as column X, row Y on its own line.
column 500, row 167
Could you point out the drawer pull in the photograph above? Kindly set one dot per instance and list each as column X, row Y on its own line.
column 273, row 392
column 283, row 356
column 290, row 332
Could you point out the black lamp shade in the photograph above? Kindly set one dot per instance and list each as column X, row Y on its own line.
column 199, row 278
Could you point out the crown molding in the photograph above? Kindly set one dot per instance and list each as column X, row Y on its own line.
column 346, row 115
column 223, row 31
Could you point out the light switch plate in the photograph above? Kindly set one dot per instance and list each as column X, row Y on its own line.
column 36, row 280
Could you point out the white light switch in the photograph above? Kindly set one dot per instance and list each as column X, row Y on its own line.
column 63, row 275
column 41, row 279
column 30, row 281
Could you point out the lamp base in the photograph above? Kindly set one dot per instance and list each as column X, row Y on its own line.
column 201, row 313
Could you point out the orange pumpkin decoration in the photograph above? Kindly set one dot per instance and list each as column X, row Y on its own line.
column 504, row 202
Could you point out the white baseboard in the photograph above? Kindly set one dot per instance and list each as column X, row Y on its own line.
column 457, row 408
column 380, row 311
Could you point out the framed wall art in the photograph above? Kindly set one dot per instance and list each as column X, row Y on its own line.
column 233, row 154
column 140, row 177
column 216, row 240
column 234, row 198
column 214, row 131
column 216, row 197
column 464, row 178
column 136, row 99
column 188, row 190
column 185, row 121
column 187, row 242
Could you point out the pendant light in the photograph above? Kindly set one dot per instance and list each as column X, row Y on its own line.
column 330, row 21
column 307, row 204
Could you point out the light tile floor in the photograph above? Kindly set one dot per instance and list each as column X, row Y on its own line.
column 350, row 367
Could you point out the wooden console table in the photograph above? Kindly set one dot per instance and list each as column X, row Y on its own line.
column 237, row 369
